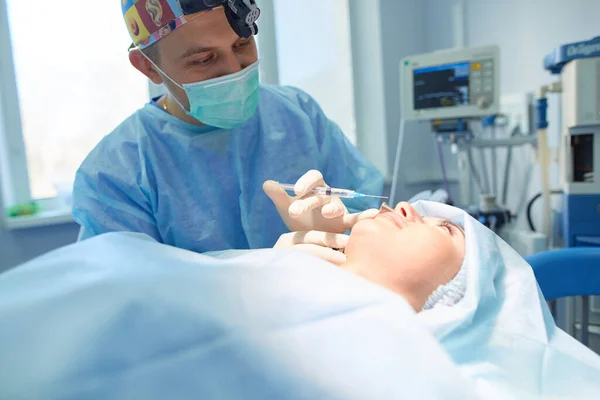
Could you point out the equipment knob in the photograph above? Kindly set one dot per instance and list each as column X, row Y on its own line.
column 484, row 102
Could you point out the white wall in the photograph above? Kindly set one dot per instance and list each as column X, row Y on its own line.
column 22, row 245
column 405, row 25
column 368, row 81
column 317, row 58
column 384, row 32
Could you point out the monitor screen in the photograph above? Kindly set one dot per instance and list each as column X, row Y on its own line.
column 452, row 85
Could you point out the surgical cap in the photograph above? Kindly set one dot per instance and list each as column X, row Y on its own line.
column 148, row 21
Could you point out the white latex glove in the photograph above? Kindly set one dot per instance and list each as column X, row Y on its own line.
column 313, row 212
column 319, row 244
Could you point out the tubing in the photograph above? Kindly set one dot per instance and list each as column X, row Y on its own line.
column 544, row 161
column 396, row 174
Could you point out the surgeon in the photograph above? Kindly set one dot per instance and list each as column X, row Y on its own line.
column 188, row 168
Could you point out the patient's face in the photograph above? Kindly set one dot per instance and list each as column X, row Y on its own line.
column 406, row 253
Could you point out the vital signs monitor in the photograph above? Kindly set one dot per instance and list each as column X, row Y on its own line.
column 448, row 84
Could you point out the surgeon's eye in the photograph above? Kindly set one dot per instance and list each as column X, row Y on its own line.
column 447, row 225
column 202, row 62
column 241, row 45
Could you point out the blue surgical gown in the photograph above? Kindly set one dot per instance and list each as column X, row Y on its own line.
column 200, row 188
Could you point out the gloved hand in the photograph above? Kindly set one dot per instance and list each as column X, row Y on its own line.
column 304, row 213
column 327, row 246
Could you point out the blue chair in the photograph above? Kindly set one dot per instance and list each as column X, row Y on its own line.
column 573, row 271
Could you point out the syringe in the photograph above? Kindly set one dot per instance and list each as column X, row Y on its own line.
column 327, row 191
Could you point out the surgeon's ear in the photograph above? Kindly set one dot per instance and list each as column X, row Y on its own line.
column 142, row 64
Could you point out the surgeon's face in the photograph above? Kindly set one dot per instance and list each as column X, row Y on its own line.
column 204, row 48
column 406, row 253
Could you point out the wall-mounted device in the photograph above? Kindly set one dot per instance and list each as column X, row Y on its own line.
column 456, row 83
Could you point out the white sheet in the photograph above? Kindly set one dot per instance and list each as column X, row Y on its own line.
column 502, row 334
column 122, row 317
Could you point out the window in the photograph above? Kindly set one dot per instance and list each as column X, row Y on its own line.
column 314, row 54
column 74, row 84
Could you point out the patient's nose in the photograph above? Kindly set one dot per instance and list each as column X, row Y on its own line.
column 408, row 212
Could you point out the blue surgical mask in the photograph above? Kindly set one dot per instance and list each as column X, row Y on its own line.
column 225, row 102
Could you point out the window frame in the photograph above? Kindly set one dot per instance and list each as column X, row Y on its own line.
column 13, row 158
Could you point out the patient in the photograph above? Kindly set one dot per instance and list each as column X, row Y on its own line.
column 416, row 257
column 408, row 254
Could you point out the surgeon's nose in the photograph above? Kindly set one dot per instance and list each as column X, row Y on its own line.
column 231, row 64
column 408, row 212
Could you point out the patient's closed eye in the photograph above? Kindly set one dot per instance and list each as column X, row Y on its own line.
column 448, row 226
column 451, row 227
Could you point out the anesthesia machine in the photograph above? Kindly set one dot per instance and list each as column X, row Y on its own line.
column 578, row 65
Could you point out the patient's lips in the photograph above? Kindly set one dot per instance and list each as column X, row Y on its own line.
column 387, row 212
column 395, row 218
